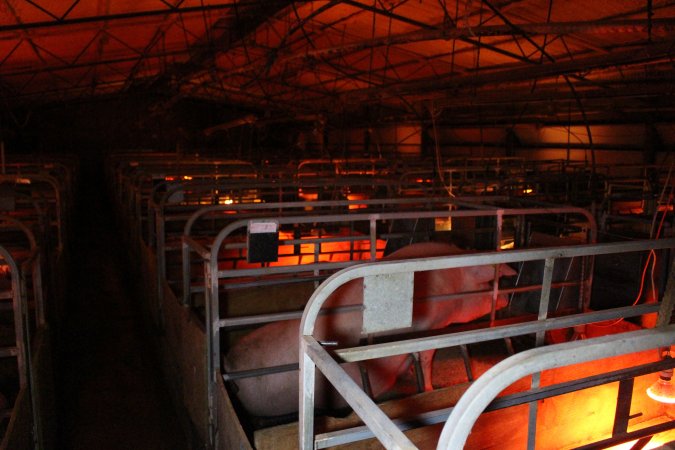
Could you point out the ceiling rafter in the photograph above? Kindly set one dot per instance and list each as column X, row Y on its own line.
column 561, row 28
column 146, row 51
column 646, row 53
column 426, row 26
column 26, row 35
column 357, row 56
column 94, row 63
column 133, row 15
column 248, row 20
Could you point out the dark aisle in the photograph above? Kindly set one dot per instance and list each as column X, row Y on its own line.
column 112, row 395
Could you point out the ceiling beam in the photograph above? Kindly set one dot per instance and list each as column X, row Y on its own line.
column 643, row 54
column 137, row 15
column 530, row 29
column 426, row 26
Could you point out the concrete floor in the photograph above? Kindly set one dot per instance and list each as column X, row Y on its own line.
column 111, row 394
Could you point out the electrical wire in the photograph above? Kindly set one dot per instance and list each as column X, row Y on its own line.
column 651, row 258
column 437, row 151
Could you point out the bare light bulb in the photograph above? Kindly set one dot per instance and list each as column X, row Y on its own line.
column 663, row 390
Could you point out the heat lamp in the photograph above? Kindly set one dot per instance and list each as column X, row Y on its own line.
column 663, row 390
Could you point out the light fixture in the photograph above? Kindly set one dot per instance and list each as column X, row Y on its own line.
column 663, row 390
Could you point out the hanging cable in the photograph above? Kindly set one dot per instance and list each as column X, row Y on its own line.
column 650, row 259
column 437, row 151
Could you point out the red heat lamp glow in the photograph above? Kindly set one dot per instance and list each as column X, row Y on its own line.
column 663, row 390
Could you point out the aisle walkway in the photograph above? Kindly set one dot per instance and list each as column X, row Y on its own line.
column 113, row 396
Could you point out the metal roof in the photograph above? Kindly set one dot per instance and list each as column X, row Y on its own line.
column 491, row 60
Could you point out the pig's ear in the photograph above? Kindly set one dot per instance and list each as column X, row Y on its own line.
column 483, row 274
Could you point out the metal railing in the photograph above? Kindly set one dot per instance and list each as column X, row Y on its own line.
column 314, row 270
column 314, row 356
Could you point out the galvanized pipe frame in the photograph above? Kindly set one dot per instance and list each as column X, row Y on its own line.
column 212, row 274
column 313, row 356
column 58, row 201
column 31, row 263
column 503, row 374
column 466, row 166
column 22, row 343
column 344, row 167
column 347, row 355
column 183, row 209
column 18, row 297
column 51, row 192
column 360, row 433
column 190, row 244
column 139, row 193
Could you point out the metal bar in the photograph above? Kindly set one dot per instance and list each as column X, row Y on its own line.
column 220, row 238
column 385, row 431
column 212, row 346
column 500, row 376
column 668, row 301
column 545, row 297
column 286, row 269
column 233, row 376
column 623, row 402
column 69, row 10
column 99, row 62
column 196, row 247
column 426, row 26
column 437, row 263
column 136, row 15
column 532, row 410
column 313, row 204
column 445, row 33
column 518, row 30
column 644, row 432
column 259, row 319
column 628, row 57
column 361, row 433
column 464, row 350
column 306, row 400
column 44, row 10
column 484, row 335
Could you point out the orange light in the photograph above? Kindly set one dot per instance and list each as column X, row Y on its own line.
column 308, row 196
column 653, row 444
column 187, row 177
column 360, row 196
column 663, row 390
column 443, row 224
column 528, row 191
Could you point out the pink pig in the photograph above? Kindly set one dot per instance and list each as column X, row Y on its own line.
column 277, row 343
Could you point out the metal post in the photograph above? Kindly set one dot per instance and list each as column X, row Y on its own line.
column 668, row 301
column 212, row 344
column 306, row 400
column 623, row 402
column 505, row 373
column 540, row 338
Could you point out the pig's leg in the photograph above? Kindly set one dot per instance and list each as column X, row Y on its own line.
column 426, row 360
